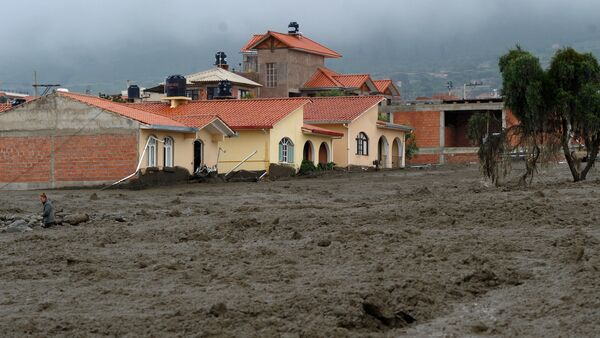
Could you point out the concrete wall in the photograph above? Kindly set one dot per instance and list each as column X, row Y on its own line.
column 238, row 147
column 266, row 143
column 57, row 142
column 294, row 69
column 344, row 149
column 367, row 123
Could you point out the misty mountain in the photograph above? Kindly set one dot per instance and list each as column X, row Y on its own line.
column 98, row 46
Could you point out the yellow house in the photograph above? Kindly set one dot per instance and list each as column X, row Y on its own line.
column 163, row 141
column 365, row 138
column 268, row 131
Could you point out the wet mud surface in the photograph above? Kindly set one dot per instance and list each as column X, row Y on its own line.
column 435, row 252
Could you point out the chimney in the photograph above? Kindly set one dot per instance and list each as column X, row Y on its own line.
column 221, row 60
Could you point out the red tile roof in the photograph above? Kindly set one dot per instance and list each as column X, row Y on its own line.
column 251, row 42
column 340, row 109
column 323, row 78
column 238, row 114
column 4, row 107
column 298, row 42
column 322, row 131
column 124, row 110
column 327, row 78
column 382, row 85
column 353, row 80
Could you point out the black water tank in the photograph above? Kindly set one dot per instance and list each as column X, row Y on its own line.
column 225, row 88
column 175, row 85
column 293, row 28
column 220, row 59
column 133, row 92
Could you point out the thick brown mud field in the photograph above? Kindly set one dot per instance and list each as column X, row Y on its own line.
column 416, row 253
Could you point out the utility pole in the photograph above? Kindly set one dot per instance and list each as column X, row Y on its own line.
column 35, row 83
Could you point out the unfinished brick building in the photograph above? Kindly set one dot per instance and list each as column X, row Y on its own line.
column 440, row 127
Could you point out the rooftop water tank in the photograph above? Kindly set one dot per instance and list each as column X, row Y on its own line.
column 175, row 86
column 133, row 93
column 224, row 89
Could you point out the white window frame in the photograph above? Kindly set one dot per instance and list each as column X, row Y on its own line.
column 152, row 145
column 285, row 144
column 168, row 152
column 271, row 74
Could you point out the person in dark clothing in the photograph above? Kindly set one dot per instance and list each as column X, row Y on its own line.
column 48, row 212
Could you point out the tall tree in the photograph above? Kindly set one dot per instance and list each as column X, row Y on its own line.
column 557, row 108
column 575, row 91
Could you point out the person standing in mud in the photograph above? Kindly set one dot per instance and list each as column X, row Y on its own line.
column 48, row 212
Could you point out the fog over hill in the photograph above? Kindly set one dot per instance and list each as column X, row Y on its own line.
column 99, row 45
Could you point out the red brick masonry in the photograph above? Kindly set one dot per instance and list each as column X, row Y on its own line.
column 76, row 158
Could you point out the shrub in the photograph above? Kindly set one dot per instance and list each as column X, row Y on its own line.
column 306, row 167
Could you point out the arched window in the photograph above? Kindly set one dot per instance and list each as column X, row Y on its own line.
column 286, row 150
column 152, row 152
column 168, row 152
column 362, row 144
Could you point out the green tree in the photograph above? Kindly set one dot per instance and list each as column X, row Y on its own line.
column 411, row 145
column 574, row 93
column 554, row 107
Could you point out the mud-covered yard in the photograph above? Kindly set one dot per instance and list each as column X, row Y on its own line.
column 434, row 252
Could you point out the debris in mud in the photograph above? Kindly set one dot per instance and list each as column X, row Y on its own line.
column 177, row 200
column 539, row 194
column 218, row 310
column 423, row 191
column 296, row 235
column 94, row 197
column 18, row 226
column 120, row 219
column 76, row 219
column 324, row 243
column 382, row 313
column 174, row 213
column 275, row 221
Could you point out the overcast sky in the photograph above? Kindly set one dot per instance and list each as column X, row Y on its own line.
column 99, row 44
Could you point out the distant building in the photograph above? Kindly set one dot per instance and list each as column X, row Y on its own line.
column 204, row 85
column 282, row 62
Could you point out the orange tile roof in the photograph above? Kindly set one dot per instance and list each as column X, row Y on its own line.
column 124, row 110
column 340, row 109
column 353, row 80
column 251, row 42
column 322, row 131
column 382, row 85
column 298, row 42
column 4, row 107
column 198, row 121
column 327, row 78
column 238, row 114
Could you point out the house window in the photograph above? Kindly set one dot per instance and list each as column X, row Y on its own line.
column 362, row 144
column 152, row 152
column 242, row 93
column 286, row 150
column 192, row 94
column 271, row 75
column 168, row 148
column 211, row 92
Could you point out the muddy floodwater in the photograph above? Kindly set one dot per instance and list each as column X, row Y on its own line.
column 416, row 253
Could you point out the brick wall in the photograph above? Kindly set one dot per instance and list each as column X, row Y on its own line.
column 424, row 159
column 82, row 158
column 426, row 126
column 25, row 159
column 94, row 157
